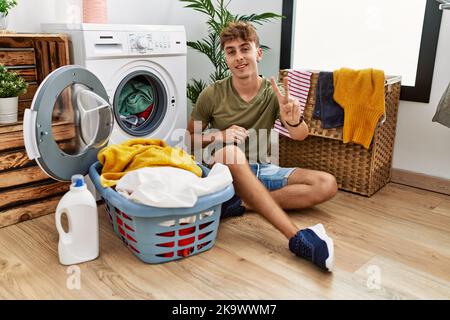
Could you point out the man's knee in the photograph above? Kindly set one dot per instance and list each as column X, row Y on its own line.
column 326, row 186
column 230, row 155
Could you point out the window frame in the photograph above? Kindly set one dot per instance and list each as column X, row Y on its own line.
column 427, row 52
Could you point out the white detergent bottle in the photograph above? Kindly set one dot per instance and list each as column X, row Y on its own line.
column 81, row 242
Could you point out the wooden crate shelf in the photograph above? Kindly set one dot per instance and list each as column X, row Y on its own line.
column 13, row 139
column 25, row 191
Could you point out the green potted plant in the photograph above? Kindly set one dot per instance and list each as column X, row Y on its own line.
column 11, row 87
column 218, row 18
column 5, row 6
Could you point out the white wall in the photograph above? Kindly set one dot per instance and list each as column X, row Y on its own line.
column 421, row 145
column 28, row 15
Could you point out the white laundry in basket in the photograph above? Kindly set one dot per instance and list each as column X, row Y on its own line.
column 169, row 187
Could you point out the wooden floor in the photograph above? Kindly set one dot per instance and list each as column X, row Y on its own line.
column 395, row 245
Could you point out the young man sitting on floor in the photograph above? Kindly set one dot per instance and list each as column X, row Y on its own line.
column 246, row 103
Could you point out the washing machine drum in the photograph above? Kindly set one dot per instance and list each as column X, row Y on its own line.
column 69, row 121
column 140, row 103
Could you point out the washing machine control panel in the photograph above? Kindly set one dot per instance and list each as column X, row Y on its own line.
column 143, row 43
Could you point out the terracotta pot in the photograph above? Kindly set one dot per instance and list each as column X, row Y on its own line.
column 94, row 11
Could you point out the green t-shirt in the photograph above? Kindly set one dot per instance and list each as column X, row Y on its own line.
column 220, row 106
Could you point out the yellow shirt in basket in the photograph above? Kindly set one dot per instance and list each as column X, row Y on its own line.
column 118, row 159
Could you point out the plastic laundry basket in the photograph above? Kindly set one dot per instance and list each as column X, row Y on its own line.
column 157, row 235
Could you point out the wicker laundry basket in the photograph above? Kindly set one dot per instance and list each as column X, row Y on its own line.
column 356, row 169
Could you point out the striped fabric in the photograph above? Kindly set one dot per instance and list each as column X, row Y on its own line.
column 299, row 83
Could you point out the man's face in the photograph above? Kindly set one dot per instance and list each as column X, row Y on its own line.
column 242, row 58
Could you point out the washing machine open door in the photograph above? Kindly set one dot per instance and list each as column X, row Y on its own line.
column 70, row 119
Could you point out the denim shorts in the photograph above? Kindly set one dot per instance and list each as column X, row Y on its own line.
column 272, row 176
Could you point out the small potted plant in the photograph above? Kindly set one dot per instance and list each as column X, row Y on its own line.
column 5, row 6
column 11, row 87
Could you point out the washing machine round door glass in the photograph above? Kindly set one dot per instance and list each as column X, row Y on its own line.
column 69, row 121
column 140, row 103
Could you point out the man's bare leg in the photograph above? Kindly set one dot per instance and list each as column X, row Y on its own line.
column 312, row 243
column 252, row 191
column 305, row 189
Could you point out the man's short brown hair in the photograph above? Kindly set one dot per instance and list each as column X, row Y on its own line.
column 236, row 30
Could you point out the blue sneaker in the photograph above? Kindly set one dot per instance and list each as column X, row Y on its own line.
column 314, row 245
column 232, row 208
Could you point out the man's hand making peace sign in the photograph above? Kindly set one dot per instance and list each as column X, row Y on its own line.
column 289, row 108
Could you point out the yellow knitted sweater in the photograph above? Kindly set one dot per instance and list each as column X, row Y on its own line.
column 118, row 159
column 361, row 94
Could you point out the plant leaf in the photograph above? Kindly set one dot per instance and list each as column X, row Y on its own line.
column 203, row 6
column 194, row 89
column 258, row 18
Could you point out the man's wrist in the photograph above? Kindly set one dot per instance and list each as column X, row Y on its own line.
column 295, row 125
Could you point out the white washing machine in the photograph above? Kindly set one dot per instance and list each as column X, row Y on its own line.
column 76, row 111
column 132, row 57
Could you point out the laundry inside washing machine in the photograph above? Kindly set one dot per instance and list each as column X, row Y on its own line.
column 80, row 119
column 140, row 103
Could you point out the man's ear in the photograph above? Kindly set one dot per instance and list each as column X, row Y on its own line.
column 259, row 54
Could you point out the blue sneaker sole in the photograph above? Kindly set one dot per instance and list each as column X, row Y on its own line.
column 319, row 230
